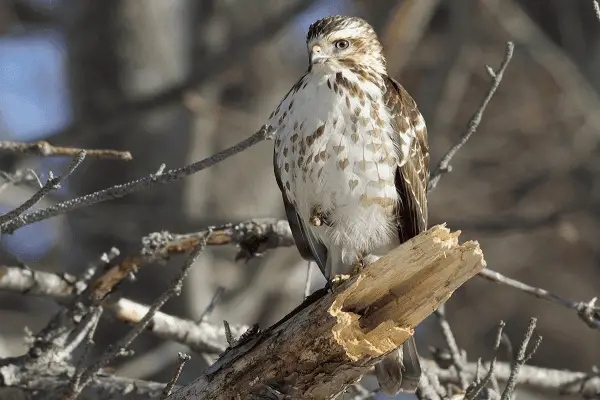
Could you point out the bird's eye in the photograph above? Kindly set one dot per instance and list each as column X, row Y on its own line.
column 342, row 44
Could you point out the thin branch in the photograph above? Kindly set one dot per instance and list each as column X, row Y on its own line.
column 51, row 184
column 45, row 149
column 55, row 377
column 479, row 384
column 118, row 191
column 200, row 336
column 206, row 337
column 117, row 349
column 521, row 358
column 79, row 370
column 444, row 164
column 558, row 381
column 181, row 360
column 587, row 311
column 457, row 358
column 253, row 237
column 212, row 304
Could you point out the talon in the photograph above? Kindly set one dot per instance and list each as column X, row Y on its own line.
column 337, row 280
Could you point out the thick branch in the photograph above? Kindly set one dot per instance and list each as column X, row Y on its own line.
column 54, row 377
column 201, row 337
column 330, row 342
column 587, row 385
column 45, row 149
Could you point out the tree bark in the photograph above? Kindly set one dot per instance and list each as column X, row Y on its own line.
column 334, row 338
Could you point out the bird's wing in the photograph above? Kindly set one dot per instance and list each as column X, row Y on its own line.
column 401, row 369
column 309, row 246
column 412, row 177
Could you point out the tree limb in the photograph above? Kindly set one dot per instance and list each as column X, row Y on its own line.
column 331, row 341
column 45, row 149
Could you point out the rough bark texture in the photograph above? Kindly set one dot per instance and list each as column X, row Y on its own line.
column 332, row 339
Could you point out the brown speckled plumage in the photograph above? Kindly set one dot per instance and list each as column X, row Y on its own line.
column 351, row 160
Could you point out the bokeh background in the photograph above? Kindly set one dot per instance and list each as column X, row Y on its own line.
column 174, row 81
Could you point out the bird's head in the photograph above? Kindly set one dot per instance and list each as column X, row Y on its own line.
column 342, row 42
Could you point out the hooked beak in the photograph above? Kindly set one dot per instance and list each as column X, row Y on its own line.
column 316, row 55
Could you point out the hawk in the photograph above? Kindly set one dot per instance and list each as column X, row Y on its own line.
column 351, row 159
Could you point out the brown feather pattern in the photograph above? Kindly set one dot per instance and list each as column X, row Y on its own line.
column 413, row 177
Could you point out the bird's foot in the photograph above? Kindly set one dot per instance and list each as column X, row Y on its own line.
column 333, row 283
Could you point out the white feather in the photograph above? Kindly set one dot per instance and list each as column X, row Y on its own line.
column 356, row 228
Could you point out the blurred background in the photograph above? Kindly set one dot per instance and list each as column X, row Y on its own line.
column 174, row 81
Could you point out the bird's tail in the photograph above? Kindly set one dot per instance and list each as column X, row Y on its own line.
column 400, row 371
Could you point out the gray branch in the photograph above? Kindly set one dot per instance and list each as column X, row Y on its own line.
column 444, row 164
column 19, row 373
column 45, row 149
column 118, row 191
column 51, row 184
column 118, row 348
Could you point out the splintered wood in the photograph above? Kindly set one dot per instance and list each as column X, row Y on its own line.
column 332, row 340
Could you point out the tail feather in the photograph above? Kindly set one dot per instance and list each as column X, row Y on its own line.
column 400, row 371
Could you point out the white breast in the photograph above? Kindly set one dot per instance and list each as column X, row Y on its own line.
column 334, row 150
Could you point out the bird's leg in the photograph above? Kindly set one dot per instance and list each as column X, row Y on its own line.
column 318, row 216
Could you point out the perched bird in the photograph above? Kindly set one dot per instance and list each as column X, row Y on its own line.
column 351, row 159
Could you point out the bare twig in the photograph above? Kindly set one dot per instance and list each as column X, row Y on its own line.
column 258, row 235
column 586, row 385
column 205, row 337
column 118, row 191
column 95, row 319
column 521, row 358
column 45, row 149
column 117, row 349
column 253, row 237
column 55, row 377
column 51, row 184
column 587, row 311
column 181, row 360
column 211, row 306
column 457, row 358
column 444, row 164
column 103, row 261
column 479, row 384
